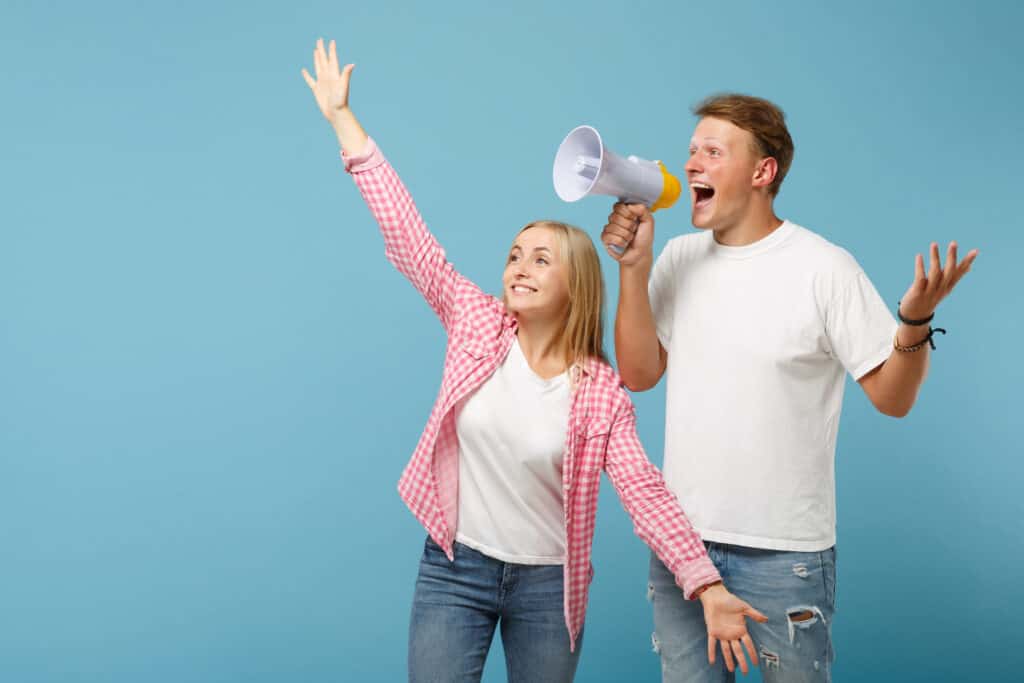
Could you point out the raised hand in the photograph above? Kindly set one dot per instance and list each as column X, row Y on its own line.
column 928, row 289
column 330, row 88
column 725, row 616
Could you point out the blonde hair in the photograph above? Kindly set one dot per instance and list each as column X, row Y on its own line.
column 583, row 334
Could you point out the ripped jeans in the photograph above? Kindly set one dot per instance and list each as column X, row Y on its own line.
column 795, row 590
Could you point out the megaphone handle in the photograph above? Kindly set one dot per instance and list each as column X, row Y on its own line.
column 614, row 247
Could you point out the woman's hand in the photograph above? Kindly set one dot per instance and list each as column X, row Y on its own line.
column 330, row 88
column 725, row 616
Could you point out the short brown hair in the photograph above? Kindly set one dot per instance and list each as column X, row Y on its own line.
column 759, row 117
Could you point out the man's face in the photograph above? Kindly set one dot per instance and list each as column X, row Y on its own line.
column 720, row 172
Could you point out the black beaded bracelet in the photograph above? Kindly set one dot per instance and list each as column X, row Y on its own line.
column 908, row 321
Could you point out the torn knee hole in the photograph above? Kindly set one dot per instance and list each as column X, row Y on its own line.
column 802, row 618
column 770, row 659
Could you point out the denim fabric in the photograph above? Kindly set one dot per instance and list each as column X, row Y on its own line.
column 777, row 583
column 457, row 606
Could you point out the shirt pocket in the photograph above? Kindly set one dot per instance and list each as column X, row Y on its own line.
column 475, row 348
column 592, row 441
column 464, row 358
column 595, row 428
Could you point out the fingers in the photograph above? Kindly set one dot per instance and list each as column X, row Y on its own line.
column 966, row 264
column 318, row 60
column 309, row 80
column 619, row 231
column 951, row 273
column 332, row 57
column 614, row 227
column 962, row 268
column 616, row 251
column 727, row 655
column 626, row 211
column 737, row 651
column 633, row 211
column 933, row 263
column 711, row 650
column 950, row 268
column 932, row 287
column 615, row 245
column 754, row 614
column 346, row 75
column 749, row 644
column 621, row 221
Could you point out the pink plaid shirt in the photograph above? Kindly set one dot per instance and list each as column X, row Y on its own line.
column 602, row 420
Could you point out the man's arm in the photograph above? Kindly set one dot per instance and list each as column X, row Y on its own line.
column 640, row 356
column 628, row 237
column 893, row 386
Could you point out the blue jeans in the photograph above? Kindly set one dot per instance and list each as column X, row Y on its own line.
column 457, row 606
column 796, row 591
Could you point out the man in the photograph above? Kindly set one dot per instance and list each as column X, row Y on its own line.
column 755, row 320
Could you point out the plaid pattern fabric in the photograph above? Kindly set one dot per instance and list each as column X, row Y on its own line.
column 602, row 422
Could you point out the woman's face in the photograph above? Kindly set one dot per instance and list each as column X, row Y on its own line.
column 536, row 279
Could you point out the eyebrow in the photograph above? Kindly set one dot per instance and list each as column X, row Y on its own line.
column 516, row 246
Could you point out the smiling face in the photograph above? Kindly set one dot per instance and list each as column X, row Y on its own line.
column 726, row 175
column 536, row 279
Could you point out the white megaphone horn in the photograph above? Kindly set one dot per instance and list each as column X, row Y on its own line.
column 584, row 166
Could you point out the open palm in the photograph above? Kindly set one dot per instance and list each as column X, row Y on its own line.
column 931, row 287
column 330, row 87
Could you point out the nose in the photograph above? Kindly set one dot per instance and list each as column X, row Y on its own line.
column 692, row 165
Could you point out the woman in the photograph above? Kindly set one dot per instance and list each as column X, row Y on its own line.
column 505, row 477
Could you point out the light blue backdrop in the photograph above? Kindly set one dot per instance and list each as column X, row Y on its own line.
column 211, row 378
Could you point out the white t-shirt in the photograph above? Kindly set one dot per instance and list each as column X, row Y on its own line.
column 758, row 338
column 512, row 434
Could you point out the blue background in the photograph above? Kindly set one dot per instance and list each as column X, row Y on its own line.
column 211, row 377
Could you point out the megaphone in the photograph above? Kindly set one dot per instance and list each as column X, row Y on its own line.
column 584, row 166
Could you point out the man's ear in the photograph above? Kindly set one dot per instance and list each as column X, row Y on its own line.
column 764, row 172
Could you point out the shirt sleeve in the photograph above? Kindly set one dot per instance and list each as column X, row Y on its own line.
column 661, row 290
column 658, row 518
column 859, row 325
column 408, row 244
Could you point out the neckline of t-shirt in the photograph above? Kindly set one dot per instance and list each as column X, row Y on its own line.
column 545, row 384
column 772, row 239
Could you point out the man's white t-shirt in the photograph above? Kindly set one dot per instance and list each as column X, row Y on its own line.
column 512, row 434
column 759, row 339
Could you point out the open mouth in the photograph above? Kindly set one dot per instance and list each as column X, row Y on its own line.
column 522, row 289
column 702, row 194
